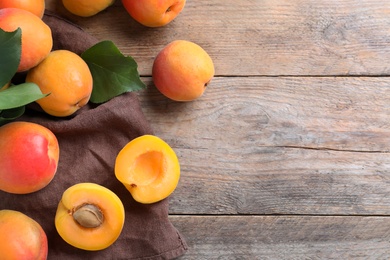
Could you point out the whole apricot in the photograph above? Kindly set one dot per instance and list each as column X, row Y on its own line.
column 29, row 155
column 37, row 40
column 89, row 216
column 86, row 8
column 66, row 76
column 36, row 7
column 149, row 169
column 182, row 70
column 154, row 13
column 21, row 237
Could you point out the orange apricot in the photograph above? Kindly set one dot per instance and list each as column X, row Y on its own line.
column 182, row 70
column 21, row 237
column 149, row 169
column 29, row 155
column 154, row 13
column 36, row 7
column 37, row 40
column 66, row 76
column 86, row 8
column 89, row 216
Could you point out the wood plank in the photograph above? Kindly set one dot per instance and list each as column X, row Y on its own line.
column 335, row 113
column 282, row 181
column 285, row 237
column 269, row 37
column 279, row 145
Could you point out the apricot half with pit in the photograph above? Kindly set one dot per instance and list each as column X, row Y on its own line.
column 89, row 216
column 149, row 168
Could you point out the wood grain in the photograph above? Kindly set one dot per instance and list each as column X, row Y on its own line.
column 285, row 237
column 279, row 145
column 269, row 37
column 334, row 113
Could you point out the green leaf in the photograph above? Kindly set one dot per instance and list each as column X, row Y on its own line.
column 11, row 114
column 113, row 73
column 10, row 52
column 20, row 95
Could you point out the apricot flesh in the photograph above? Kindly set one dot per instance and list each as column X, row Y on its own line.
column 21, row 237
column 149, row 169
column 29, row 155
column 89, row 216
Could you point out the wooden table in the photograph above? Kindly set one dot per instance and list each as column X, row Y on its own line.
column 286, row 156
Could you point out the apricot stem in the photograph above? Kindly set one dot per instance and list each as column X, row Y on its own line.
column 88, row 216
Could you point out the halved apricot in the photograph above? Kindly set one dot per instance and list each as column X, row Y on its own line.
column 149, row 169
column 89, row 216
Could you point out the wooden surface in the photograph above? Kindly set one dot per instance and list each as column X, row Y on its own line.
column 286, row 156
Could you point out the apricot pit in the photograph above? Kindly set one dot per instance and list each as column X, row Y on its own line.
column 89, row 216
column 149, row 169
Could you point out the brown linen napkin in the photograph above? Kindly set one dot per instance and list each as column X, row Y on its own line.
column 89, row 142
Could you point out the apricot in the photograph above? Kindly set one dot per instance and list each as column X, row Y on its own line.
column 154, row 13
column 149, row 169
column 182, row 70
column 36, row 7
column 66, row 76
column 86, row 8
column 37, row 40
column 89, row 216
column 29, row 155
column 21, row 237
